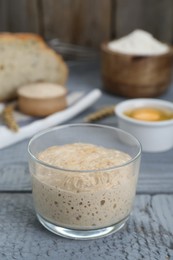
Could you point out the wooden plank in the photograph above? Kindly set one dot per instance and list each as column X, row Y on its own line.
column 147, row 235
column 155, row 16
column 4, row 25
column 77, row 21
column 23, row 16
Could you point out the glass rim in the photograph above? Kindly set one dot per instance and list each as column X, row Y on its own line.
column 83, row 125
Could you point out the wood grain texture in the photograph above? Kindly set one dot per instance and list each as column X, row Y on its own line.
column 4, row 21
column 87, row 22
column 147, row 235
column 19, row 16
column 77, row 21
column 155, row 16
column 133, row 77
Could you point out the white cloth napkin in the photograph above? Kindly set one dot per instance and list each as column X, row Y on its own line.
column 7, row 137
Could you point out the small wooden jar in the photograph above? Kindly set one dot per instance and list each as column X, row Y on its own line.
column 41, row 99
column 135, row 76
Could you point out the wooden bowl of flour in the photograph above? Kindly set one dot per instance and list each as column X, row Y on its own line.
column 136, row 76
column 41, row 99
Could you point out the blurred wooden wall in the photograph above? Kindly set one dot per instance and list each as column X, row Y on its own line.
column 87, row 22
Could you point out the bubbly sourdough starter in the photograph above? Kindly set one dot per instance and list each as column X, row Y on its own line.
column 84, row 200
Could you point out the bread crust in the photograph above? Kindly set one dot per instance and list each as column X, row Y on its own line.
column 24, row 38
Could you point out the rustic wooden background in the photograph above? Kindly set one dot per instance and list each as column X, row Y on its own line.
column 87, row 22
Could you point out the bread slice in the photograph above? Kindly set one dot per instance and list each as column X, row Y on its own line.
column 25, row 58
column 41, row 99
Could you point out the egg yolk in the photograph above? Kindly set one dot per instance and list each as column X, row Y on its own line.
column 149, row 114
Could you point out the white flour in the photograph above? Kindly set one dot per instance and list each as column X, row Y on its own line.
column 138, row 42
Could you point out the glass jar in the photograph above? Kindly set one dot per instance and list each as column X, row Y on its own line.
column 84, row 179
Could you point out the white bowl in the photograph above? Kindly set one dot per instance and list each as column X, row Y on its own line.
column 154, row 136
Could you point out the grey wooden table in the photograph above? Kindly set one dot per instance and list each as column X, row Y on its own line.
column 148, row 233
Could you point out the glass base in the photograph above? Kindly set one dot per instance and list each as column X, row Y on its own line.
column 81, row 234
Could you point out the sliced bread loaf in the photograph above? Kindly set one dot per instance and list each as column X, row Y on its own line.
column 25, row 58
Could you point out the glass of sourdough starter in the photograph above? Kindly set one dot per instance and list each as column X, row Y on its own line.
column 84, row 179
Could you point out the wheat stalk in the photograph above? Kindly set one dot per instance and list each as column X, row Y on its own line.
column 101, row 113
column 8, row 117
